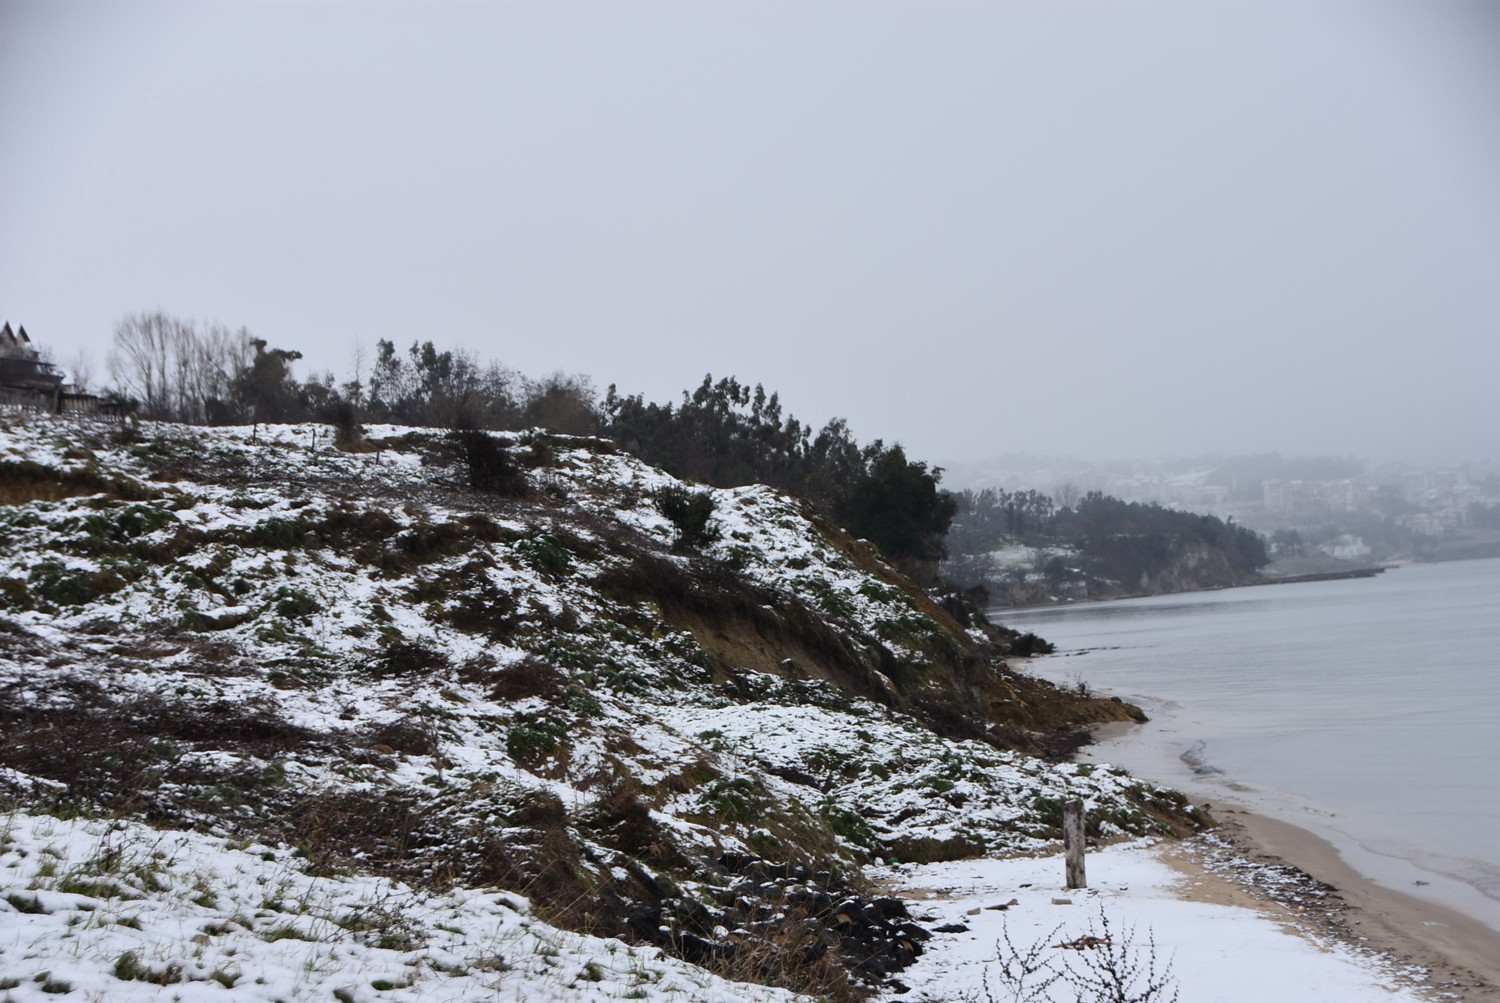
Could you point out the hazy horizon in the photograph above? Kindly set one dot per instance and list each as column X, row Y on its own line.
column 1088, row 229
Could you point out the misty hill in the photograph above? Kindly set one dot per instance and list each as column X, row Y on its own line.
column 490, row 667
column 1023, row 548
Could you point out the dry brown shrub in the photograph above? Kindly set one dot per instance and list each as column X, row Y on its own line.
column 23, row 481
column 409, row 735
column 336, row 826
column 622, row 820
column 112, row 752
column 526, row 678
column 692, row 776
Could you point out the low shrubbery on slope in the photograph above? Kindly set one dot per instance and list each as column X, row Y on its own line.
column 370, row 657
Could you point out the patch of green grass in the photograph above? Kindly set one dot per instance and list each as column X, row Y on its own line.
column 850, row 825
column 30, row 906
column 532, row 739
column 731, row 800
column 545, row 553
column 276, row 534
column 98, row 888
column 581, row 702
column 54, row 582
column 294, row 604
column 281, row 933
column 828, row 598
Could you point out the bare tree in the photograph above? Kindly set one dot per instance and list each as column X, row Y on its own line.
column 214, row 358
column 176, row 369
column 564, row 403
column 81, row 368
column 141, row 360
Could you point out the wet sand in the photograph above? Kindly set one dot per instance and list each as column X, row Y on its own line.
column 1460, row 954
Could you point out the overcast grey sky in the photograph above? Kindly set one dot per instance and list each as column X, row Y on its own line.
column 1095, row 228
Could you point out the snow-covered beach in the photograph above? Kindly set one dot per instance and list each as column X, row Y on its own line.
column 1186, row 910
column 1258, row 909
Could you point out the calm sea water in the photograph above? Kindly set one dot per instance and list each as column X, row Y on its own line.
column 1367, row 710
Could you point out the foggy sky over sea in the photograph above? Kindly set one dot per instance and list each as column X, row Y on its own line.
column 1092, row 228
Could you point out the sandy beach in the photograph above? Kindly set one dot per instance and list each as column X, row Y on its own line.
column 1461, row 954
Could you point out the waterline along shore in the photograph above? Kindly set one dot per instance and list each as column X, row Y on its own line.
column 1341, row 726
column 1459, row 952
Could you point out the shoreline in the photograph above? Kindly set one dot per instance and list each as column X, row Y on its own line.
column 1460, row 954
column 1369, row 571
column 1146, row 755
column 1345, row 882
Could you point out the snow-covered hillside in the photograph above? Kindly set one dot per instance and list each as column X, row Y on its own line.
column 115, row 910
column 258, row 636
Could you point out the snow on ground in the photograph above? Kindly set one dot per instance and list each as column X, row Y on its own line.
column 1217, row 953
column 112, row 910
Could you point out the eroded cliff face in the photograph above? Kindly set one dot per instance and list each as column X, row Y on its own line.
column 1192, row 566
column 532, row 687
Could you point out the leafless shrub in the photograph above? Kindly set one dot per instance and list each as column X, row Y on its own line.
column 488, row 464
column 1102, row 966
column 405, row 658
column 334, row 827
column 795, row 952
column 1118, row 969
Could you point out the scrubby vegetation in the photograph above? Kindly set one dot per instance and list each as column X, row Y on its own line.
column 369, row 659
column 723, row 433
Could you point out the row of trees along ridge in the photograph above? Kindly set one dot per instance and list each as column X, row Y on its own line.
column 724, row 433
